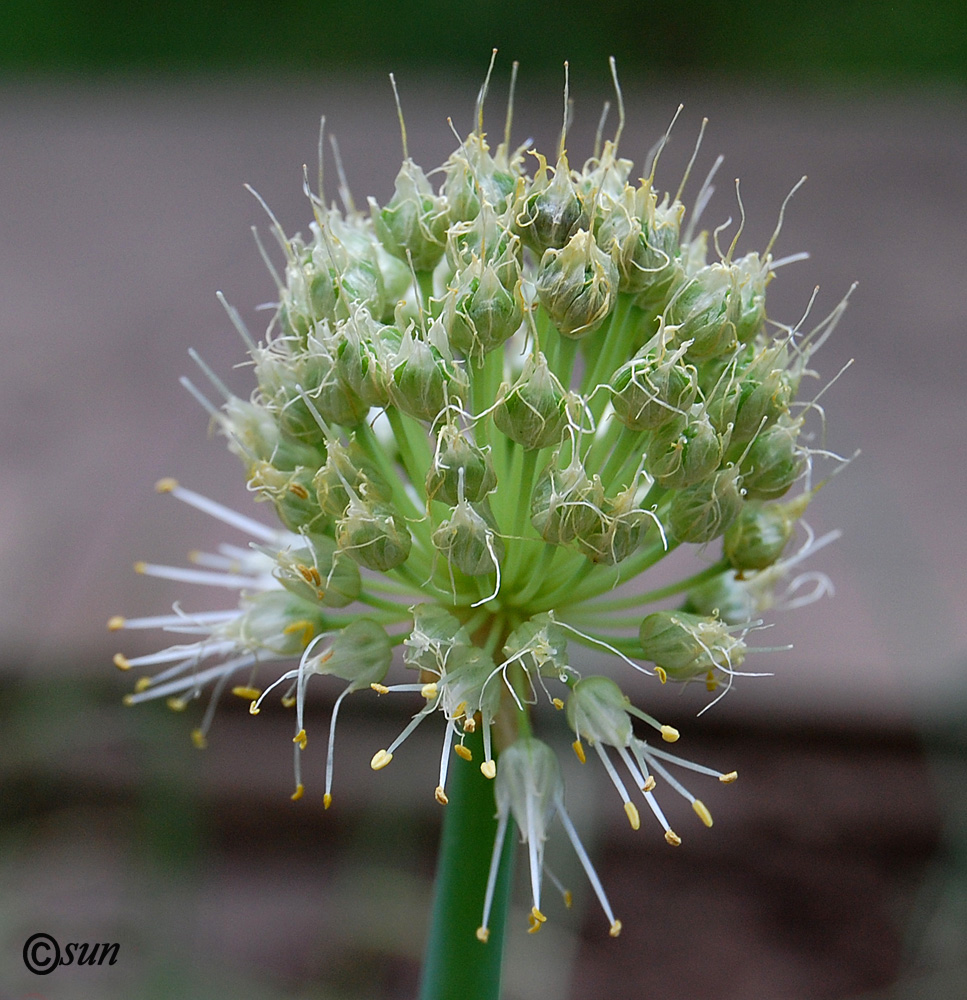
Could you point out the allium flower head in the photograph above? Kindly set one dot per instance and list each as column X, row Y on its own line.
column 483, row 411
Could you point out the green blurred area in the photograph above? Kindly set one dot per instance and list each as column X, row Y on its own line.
column 783, row 42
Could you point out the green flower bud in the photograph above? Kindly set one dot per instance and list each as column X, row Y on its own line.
column 480, row 314
column 774, row 461
column 469, row 541
column 356, row 359
column 597, row 711
column 374, row 535
column 347, row 472
column 292, row 493
column 457, row 456
column 699, row 312
column 488, row 238
column 552, row 211
column 474, row 181
column 533, row 412
column 760, row 534
column 765, row 393
column 566, row 503
column 540, row 645
column 278, row 621
column 652, row 389
column 360, row 653
column 684, row 450
column 425, row 379
column 310, row 291
column 748, row 302
column 701, row 512
column 318, row 572
column 434, row 634
column 415, row 220
column 687, row 646
column 254, row 435
column 620, row 528
column 645, row 238
column 465, row 690
column 577, row 285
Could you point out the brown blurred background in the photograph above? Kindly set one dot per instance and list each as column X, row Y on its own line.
column 838, row 863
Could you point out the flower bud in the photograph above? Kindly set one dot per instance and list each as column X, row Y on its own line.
column 533, row 412
column 356, row 359
column 374, row 535
column 761, row 532
column 276, row 620
column 702, row 511
column 552, row 211
column 469, row 541
column 456, row 456
column 361, row 653
column 434, row 634
column 473, row 180
column 774, row 461
column 566, row 503
column 465, row 687
column 765, row 390
column 748, row 302
column 651, row 390
column 540, row 645
column 415, row 220
column 292, row 493
column 684, row 450
column 699, row 312
column 645, row 238
column 347, row 472
column 577, row 285
column 480, row 313
column 688, row 646
column 425, row 380
column 620, row 529
column 597, row 711
column 310, row 290
column 318, row 572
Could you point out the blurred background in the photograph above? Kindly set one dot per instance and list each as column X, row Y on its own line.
column 838, row 864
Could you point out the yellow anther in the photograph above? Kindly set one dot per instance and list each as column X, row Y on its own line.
column 536, row 919
column 380, row 759
column 198, row 738
column 306, row 628
column 469, row 724
column 703, row 814
column 669, row 734
column 662, row 674
column 301, row 738
column 579, row 751
column 459, row 710
column 727, row 779
column 673, row 838
column 380, row 688
column 557, row 703
column 615, row 928
column 176, row 704
column 489, row 769
column 632, row 813
column 114, row 623
column 299, row 490
column 254, row 709
column 310, row 574
column 120, row 660
column 440, row 795
column 461, row 751
column 250, row 694
column 649, row 784
column 568, row 898
column 326, row 801
column 483, row 934
column 428, row 691
column 287, row 702
column 166, row 485
column 300, row 790
column 128, row 699
column 140, row 567
column 711, row 682
column 142, row 684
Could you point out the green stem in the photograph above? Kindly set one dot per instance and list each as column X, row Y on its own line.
column 456, row 963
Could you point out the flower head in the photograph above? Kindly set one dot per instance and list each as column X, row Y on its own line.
column 482, row 411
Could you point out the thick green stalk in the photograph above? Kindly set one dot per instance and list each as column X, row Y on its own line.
column 457, row 965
